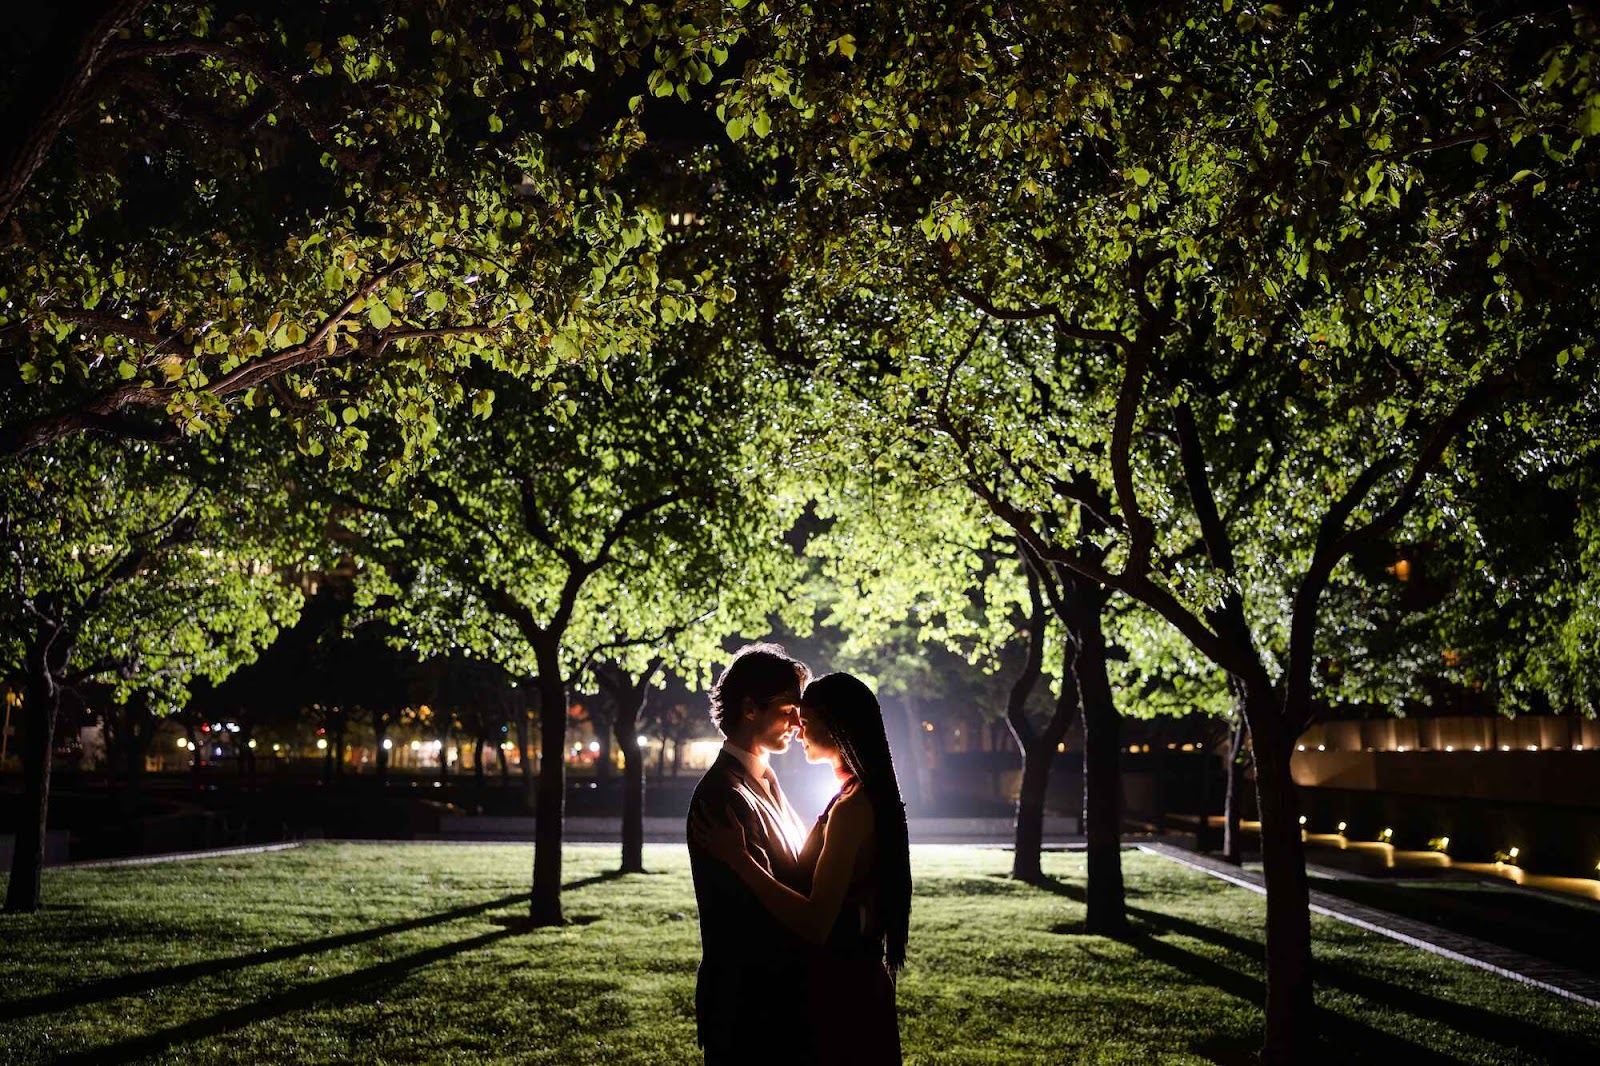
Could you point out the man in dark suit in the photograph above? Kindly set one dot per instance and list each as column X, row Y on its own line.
column 750, row 990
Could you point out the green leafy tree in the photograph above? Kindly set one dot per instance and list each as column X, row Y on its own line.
column 1290, row 258
column 326, row 211
column 529, row 541
column 136, row 571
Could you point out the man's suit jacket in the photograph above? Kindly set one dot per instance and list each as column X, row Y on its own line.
column 749, row 988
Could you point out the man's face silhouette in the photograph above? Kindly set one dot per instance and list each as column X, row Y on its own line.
column 776, row 721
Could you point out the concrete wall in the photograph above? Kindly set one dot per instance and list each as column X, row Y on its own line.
column 1566, row 778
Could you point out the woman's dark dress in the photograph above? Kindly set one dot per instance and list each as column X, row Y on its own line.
column 850, row 992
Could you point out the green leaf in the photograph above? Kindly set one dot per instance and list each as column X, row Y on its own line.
column 437, row 301
column 1140, row 176
column 1480, row 152
column 378, row 314
column 350, row 414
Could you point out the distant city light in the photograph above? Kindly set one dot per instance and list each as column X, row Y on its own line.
column 1342, row 826
column 1449, row 747
column 388, row 745
column 322, row 743
column 643, row 741
column 252, row 744
column 1477, row 747
column 1514, row 852
column 594, row 746
column 1302, row 819
column 184, row 743
column 416, row 745
column 1322, row 747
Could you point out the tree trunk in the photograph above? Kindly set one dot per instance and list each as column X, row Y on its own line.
column 338, row 745
column 1029, row 842
column 525, row 760
column 1102, row 772
column 380, row 733
column 505, row 766
column 140, row 731
column 602, row 759
column 41, row 704
column 632, row 793
column 545, row 908
column 1290, row 1018
column 915, row 769
column 477, row 765
column 1232, row 844
column 661, row 762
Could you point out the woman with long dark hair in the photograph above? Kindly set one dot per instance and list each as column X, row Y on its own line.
column 859, row 906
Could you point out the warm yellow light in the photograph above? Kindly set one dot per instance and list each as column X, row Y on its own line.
column 1449, row 747
column 1514, row 852
column 1322, row 747
column 277, row 747
column 927, row 727
column 1444, row 843
column 416, row 745
column 252, row 744
column 322, row 743
column 1302, row 819
column 1059, row 747
column 1477, row 747
column 388, row 745
column 1387, row 834
column 183, row 743
column 1342, row 826
column 1299, row 747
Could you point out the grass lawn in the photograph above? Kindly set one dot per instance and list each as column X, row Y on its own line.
column 413, row 953
column 1562, row 930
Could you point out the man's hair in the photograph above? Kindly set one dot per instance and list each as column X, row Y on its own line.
column 759, row 671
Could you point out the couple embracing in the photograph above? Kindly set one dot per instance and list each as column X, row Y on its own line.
column 802, row 933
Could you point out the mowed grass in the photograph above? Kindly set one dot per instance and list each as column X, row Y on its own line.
column 416, row 954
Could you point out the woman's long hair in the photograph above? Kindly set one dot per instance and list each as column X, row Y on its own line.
column 851, row 713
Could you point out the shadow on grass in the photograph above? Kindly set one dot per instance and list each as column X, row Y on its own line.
column 1493, row 1028
column 149, row 981
column 299, row 998
column 596, row 879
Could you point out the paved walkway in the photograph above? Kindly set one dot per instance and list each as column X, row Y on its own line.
column 1561, row 980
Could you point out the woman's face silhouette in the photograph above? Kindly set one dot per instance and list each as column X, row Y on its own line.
column 817, row 739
